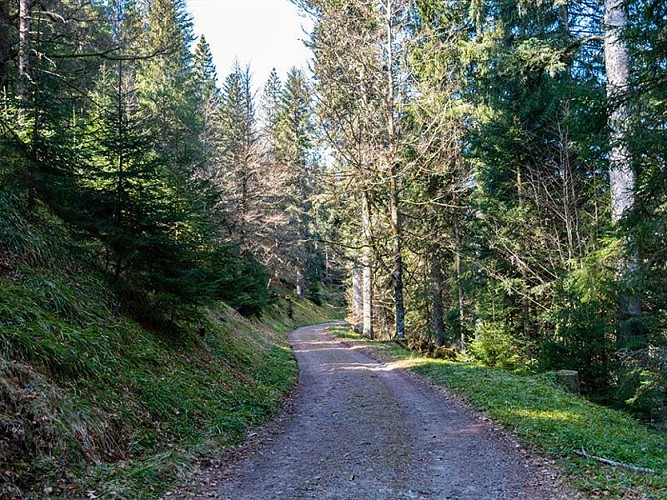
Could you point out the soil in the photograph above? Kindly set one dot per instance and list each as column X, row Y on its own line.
column 356, row 428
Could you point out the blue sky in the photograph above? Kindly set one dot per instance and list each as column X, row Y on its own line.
column 264, row 33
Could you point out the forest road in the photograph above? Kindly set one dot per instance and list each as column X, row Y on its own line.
column 358, row 429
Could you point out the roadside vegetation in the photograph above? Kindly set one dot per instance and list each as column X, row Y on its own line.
column 95, row 404
column 547, row 419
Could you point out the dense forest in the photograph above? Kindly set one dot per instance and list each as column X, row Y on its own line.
column 497, row 179
column 484, row 175
column 113, row 117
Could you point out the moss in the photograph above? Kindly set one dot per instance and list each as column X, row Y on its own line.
column 92, row 401
column 549, row 419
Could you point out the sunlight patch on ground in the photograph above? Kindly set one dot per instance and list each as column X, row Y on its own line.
column 558, row 415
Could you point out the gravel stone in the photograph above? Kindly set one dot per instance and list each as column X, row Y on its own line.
column 356, row 428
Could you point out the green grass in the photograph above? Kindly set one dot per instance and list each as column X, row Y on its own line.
column 550, row 420
column 90, row 401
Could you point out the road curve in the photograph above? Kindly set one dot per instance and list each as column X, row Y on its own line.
column 361, row 430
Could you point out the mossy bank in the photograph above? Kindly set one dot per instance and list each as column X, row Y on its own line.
column 92, row 403
column 549, row 420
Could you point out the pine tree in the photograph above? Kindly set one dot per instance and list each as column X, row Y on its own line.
column 294, row 155
column 208, row 106
column 238, row 175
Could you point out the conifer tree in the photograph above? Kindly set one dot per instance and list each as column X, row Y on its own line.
column 238, row 174
column 208, row 108
column 294, row 155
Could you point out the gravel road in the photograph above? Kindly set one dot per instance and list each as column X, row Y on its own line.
column 360, row 429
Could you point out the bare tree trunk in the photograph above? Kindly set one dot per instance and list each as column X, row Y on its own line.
column 299, row 285
column 397, row 272
column 621, row 175
column 23, row 88
column 459, row 284
column 357, row 299
column 436, row 289
column 23, row 79
column 366, row 256
column 120, row 186
column 5, row 48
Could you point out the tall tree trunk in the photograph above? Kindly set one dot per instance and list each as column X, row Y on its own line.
column 357, row 299
column 120, row 185
column 621, row 175
column 394, row 199
column 5, row 48
column 367, row 273
column 459, row 284
column 299, row 284
column 23, row 94
column 397, row 272
column 23, row 77
column 436, row 291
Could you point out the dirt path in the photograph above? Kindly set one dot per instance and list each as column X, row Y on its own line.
column 358, row 429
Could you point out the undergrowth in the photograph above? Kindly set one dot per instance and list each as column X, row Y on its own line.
column 94, row 405
column 549, row 419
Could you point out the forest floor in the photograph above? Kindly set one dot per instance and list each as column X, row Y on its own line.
column 359, row 428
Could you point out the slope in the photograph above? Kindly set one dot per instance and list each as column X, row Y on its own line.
column 92, row 403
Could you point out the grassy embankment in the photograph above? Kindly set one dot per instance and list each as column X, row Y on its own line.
column 549, row 420
column 94, row 405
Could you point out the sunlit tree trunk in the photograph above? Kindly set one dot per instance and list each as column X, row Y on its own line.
column 357, row 298
column 394, row 197
column 367, row 272
column 621, row 175
column 23, row 91
column 23, row 77
column 436, row 291
column 5, row 48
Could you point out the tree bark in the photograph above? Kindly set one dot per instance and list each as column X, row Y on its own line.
column 366, row 256
column 397, row 272
column 394, row 198
column 621, row 175
column 436, row 289
column 459, row 284
column 357, row 299
column 23, row 77
column 5, row 48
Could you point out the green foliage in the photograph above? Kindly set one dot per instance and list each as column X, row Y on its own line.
column 551, row 419
column 583, row 321
column 494, row 346
column 238, row 279
column 643, row 381
column 90, row 400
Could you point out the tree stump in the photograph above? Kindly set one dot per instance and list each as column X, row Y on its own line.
column 569, row 380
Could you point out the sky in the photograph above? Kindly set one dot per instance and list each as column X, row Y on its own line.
column 263, row 33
